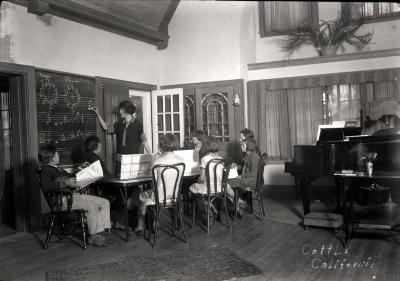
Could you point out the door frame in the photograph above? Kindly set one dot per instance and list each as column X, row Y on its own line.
column 27, row 196
column 237, row 84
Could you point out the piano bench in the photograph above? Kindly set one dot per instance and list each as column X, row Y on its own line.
column 328, row 220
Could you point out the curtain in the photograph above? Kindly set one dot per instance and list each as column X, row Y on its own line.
column 285, row 112
column 282, row 16
column 305, row 107
column 275, row 134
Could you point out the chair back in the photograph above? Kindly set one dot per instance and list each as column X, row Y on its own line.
column 167, row 179
column 217, row 172
column 53, row 199
column 260, row 172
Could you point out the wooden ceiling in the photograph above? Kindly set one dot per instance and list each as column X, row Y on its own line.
column 145, row 20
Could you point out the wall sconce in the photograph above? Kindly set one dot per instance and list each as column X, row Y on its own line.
column 236, row 100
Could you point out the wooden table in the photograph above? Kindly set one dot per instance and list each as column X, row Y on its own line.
column 123, row 185
column 347, row 180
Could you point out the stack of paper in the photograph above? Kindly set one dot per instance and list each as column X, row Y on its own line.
column 135, row 166
column 90, row 174
column 191, row 160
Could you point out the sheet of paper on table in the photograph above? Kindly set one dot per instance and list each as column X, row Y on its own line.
column 233, row 173
column 191, row 160
column 90, row 174
column 135, row 166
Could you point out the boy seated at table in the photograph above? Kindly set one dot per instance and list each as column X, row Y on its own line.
column 167, row 145
column 54, row 178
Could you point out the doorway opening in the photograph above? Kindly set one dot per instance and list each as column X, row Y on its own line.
column 7, row 208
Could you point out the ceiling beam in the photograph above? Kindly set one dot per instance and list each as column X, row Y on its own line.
column 98, row 19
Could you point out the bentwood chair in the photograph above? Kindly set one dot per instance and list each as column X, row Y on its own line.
column 256, row 190
column 60, row 217
column 167, row 180
column 216, row 176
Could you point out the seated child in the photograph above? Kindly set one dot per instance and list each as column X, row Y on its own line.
column 54, row 178
column 167, row 145
column 251, row 161
column 210, row 149
column 93, row 148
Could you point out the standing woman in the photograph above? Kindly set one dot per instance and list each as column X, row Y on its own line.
column 129, row 134
column 128, row 130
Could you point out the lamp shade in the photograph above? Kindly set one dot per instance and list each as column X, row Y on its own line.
column 378, row 109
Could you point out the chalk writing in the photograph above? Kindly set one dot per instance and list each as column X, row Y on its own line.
column 63, row 115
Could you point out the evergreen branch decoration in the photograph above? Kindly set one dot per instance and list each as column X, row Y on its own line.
column 327, row 35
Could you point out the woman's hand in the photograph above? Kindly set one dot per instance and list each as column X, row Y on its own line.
column 95, row 109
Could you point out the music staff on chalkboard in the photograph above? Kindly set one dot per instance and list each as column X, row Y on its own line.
column 48, row 91
column 72, row 95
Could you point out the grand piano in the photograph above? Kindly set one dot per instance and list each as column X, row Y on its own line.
column 340, row 149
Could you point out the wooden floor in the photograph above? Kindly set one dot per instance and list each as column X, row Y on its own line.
column 281, row 251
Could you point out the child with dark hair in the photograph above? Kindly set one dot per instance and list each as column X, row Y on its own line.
column 251, row 160
column 246, row 134
column 54, row 178
column 93, row 148
column 168, row 143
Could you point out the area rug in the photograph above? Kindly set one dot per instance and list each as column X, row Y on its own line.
column 209, row 264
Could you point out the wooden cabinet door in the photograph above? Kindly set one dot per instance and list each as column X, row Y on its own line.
column 215, row 116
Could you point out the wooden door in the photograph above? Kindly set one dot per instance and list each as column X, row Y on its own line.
column 168, row 114
column 215, row 116
column 112, row 95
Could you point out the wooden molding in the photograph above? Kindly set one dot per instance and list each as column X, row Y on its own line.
column 325, row 59
column 82, row 14
column 38, row 7
column 168, row 16
column 124, row 83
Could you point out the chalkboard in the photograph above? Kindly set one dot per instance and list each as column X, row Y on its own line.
column 63, row 117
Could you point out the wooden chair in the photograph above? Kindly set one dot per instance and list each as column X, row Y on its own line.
column 167, row 180
column 216, row 172
column 257, row 190
column 59, row 216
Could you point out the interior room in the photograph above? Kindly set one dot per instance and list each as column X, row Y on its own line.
column 199, row 140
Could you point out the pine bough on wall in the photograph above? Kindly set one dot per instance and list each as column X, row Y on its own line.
column 328, row 36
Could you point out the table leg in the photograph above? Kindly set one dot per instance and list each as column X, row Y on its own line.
column 126, row 214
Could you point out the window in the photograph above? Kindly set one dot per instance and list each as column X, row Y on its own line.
column 215, row 116
column 344, row 102
column 373, row 10
column 168, row 114
column 279, row 17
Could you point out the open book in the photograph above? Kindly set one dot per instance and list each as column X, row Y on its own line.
column 90, row 174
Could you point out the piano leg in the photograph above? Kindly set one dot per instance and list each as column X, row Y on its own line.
column 305, row 194
column 346, row 195
column 339, row 187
